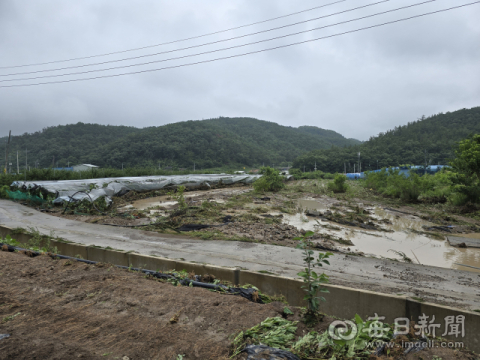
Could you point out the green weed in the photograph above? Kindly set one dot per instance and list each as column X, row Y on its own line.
column 312, row 281
column 11, row 317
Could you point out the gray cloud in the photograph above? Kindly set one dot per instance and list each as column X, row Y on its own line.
column 358, row 84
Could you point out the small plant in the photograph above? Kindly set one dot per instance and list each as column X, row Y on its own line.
column 3, row 192
column 8, row 240
column 404, row 257
column 338, row 185
column 312, row 281
column 179, row 197
column 11, row 317
column 287, row 311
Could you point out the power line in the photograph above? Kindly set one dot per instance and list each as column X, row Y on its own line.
column 248, row 53
column 222, row 49
column 174, row 41
column 200, row 45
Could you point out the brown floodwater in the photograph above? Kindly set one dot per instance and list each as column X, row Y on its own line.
column 403, row 237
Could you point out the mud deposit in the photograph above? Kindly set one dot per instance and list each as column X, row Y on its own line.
column 69, row 310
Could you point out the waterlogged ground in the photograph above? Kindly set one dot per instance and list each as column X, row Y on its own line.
column 357, row 222
column 401, row 233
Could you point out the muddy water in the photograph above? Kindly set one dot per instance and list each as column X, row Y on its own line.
column 166, row 200
column 404, row 237
column 152, row 202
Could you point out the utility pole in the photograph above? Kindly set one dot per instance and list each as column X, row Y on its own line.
column 359, row 162
column 315, row 166
column 7, row 145
column 26, row 162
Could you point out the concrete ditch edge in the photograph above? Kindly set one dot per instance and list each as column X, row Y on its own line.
column 341, row 302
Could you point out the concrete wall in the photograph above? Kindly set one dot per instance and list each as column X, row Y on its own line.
column 342, row 302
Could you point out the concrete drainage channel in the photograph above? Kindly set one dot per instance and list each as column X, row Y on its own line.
column 341, row 302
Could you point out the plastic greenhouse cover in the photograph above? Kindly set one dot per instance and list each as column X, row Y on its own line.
column 108, row 187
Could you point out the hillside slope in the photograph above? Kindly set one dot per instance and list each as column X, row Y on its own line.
column 431, row 138
column 208, row 143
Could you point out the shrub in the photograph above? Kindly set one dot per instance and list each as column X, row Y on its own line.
column 338, row 185
column 466, row 167
column 3, row 192
column 270, row 181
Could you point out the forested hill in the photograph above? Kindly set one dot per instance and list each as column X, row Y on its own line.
column 402, row 145
column 207, row 143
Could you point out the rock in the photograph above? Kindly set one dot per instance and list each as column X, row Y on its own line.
column 313, row 212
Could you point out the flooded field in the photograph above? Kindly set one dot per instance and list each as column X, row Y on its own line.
column 346, row 226
column 215, row 195
column 404, row 234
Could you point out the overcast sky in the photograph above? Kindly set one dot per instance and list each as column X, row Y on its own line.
column 357, row 84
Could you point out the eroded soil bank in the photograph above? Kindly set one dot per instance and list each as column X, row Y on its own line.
column 59, row 309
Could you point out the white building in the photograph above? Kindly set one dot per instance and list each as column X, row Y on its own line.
column 84, row 167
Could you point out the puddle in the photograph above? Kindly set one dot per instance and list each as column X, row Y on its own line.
column 418, row 247
column 165, row 200
column 218, row 201
column 311, row 204
column 152, row 202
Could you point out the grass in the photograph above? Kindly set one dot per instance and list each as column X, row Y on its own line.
column 10, row 318
column 417, row 299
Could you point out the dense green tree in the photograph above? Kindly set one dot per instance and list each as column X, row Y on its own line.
column 466, row 170
column 429, row 138
column 207, row 143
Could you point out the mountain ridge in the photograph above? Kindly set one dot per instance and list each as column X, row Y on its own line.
column 431, row 138
column 209, row 143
